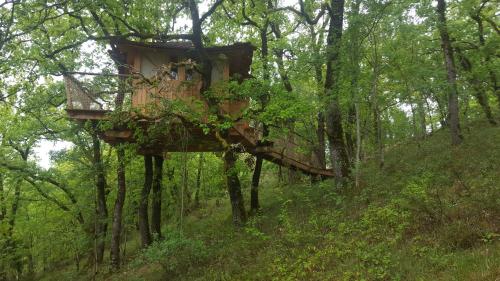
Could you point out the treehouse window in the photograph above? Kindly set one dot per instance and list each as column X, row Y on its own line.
column 174, row 73
column 151, row 63
column 189, row 74
column 217, row 71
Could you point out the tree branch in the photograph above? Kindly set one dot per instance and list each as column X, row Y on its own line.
column 211, row 10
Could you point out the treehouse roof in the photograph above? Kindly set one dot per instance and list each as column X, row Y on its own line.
column 239, row 55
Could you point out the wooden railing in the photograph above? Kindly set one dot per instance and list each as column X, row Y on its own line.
column 79, row 97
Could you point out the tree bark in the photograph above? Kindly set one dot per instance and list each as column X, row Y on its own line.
column 201, row 160
column 377, row 118
column 118, row 209
column 320, row 135
column 116, row 231
column 318, row 62
column 349, row 131
column 422, row 116
column 254, row 192
column 3, row 206
column 234, row 188
column 144, row 202
column 101, row 207
column 157, row 192
column 453, row 106
column 334, row 128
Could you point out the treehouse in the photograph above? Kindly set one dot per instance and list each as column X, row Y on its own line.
column 163, row 85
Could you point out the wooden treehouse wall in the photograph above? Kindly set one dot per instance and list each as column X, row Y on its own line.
column 152, row 86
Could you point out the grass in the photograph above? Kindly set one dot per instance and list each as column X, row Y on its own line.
column 431, row 213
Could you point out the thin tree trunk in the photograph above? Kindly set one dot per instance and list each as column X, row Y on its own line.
column 31, row 259
column 201, row 160
column 3, row 206
column 3, row 213
column 234, row 188
column 157, row 191
column 443, row 120
column 487, row 58
column 349, row 137
column 117, row 228
column 320, row 135
column 118, row 210
column 254, row 192
column 101, row 207
column 377, row 119
column 144, row 200
column 9, row 243
column 422, row 116
column 354, row 40
column 358, row 143
column 453, row 107
column 414, row 121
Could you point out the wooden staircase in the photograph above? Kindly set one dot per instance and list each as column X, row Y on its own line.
column 279, row 151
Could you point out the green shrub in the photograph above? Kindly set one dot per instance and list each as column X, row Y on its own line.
column 175, row 254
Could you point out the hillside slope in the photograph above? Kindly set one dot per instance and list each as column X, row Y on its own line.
column 432, row 213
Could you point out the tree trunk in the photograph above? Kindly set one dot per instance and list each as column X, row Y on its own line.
column 334, row 126
column 157, row 190
column 319, row 149
column 358, row 143
column 487, row 58
column 3, row 213
column 3, row 206
column 144, row 200
column 354, row 50
column 422, row 116
column 254, row 192
column 453, row 107
column 118, row 210
column 101, row 208
column 201, row 160
column 116, row 231
column 9, row 243
column 234, row 188
column 377, row 118
column 475, row 82
column 414, row 121
column 320, row 135
column 350, row 128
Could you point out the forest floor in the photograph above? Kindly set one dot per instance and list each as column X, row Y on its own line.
column 431, row 213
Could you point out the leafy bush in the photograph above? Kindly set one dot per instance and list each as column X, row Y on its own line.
column 175, row 254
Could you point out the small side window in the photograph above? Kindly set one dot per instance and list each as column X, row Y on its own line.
column 189, row 74
column 174, row 73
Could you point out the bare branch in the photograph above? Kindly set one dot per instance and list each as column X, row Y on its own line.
column 211, row 10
